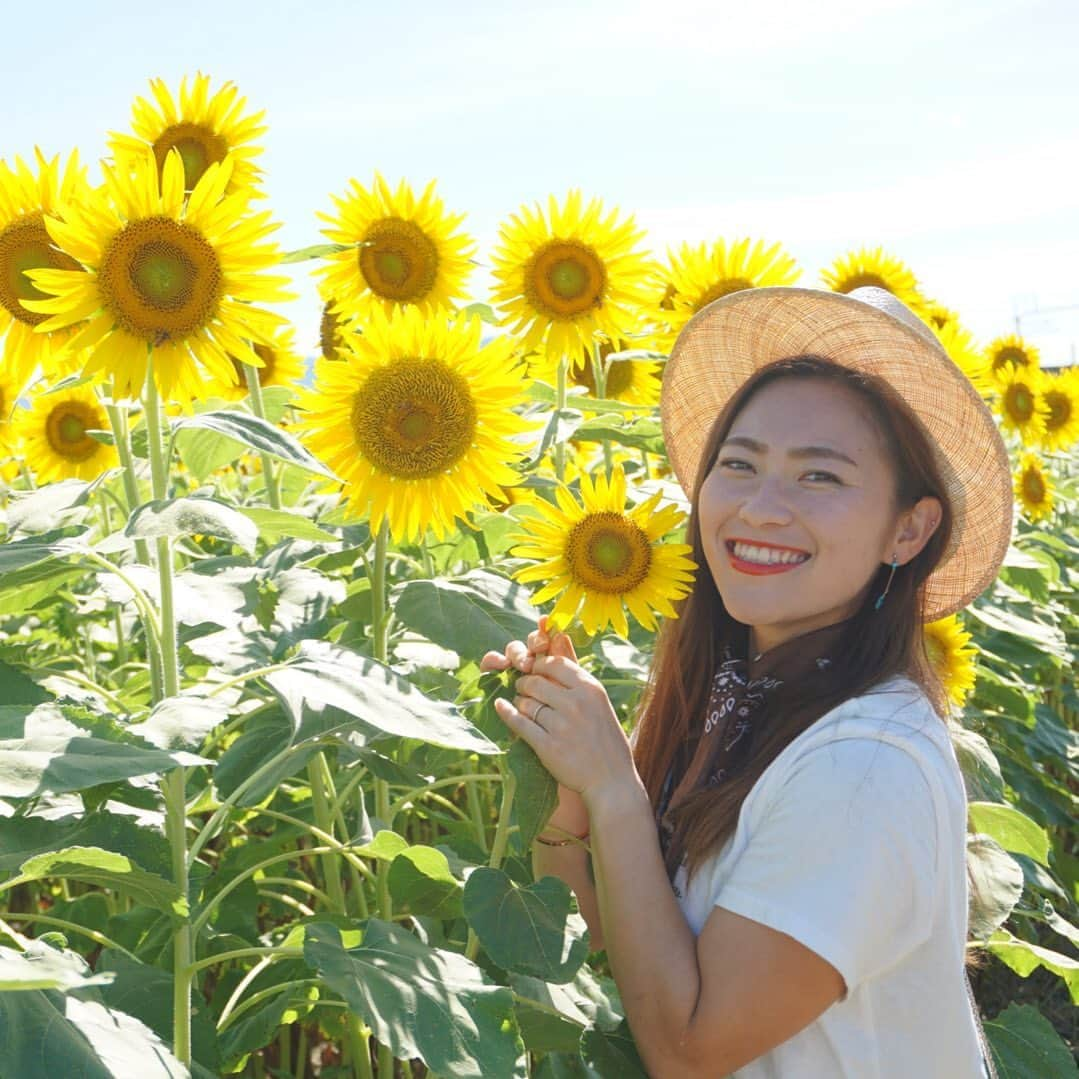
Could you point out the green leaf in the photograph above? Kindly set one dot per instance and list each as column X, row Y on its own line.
column 553, row 1017
column 537, row 791
column 470, row 615
column 17, row 689
column 1024, row 958
column 192, row 516
column 44, row 967
column 258, row 435
column 612, row 1052
column 1024, row 1044
column 483, row 311
column 996, row 884
column 107, row 869
column 1048, row 638
column 327, row 674
column 421, row 1001
column 526, row 929
column 18, row 554
column 274, row 525
column 60, row 503
column 421, row 882
column 643, row 433
column 181, row 721
column 316, row 251
column 1013, row 830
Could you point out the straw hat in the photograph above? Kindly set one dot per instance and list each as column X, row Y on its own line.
column 867, row 330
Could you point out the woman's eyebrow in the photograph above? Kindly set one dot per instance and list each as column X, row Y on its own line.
column 797, row 451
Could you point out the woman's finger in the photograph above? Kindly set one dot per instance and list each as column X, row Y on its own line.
column 521, row 725
column 517, row 653
column 494, row 661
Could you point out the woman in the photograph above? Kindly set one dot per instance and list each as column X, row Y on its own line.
column 778, row 860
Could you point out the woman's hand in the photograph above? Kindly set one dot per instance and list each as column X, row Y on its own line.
column 571, row 814
column 565, row 715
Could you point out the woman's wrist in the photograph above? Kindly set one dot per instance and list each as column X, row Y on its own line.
column 554, row 835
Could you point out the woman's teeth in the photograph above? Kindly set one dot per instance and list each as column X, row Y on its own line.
column 766, row 556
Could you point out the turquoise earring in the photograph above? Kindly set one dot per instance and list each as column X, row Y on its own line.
column 880, row 599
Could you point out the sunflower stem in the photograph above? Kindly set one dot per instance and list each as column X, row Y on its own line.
column 599, row 373
column 173, row 786
column 498, row 844
column 273, row 492
column 559, row 408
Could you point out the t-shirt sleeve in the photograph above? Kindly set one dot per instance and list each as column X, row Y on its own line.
column 842, row 857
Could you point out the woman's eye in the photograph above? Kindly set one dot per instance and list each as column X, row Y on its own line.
column 828, row 477
column 731, row 462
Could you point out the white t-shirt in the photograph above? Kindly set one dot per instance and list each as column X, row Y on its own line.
column 853, row 842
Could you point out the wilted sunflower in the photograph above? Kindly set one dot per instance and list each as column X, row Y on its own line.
column 564, row 276
column 1008, row 353
column 25, row 245
column 282, row 366
column 699, row 275
column 1033, row 488
column 873, row 267
column 401, row 250
column 964, row 352
column 1021, row 406
column 1060, row 390
column 178, row 276
column 334, row 329
column 202, row 129
column 603, row 558
column 54, row 439
column 951, row 659
column 417, row 419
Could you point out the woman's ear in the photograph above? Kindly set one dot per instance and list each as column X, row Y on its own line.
column 916, row 526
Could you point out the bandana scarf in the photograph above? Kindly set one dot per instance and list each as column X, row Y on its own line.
column 740, row 689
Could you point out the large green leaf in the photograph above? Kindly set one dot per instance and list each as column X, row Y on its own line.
column 643, row 433
column 18, row 554
column 326, row 674
column 256, row 434
column 526, row 929
column 280, row 524
column 1024, row 1045
column 1013, row 830
column 1024, row 957
column 553, row 1017
column 612, row 1052
column 996, row 884
column 473, row 614
column 421, row 882
column 421, row 1001
column 43, row 967
column 191, row 517
column 62, row 502
column 537, row 792
column 107, row 869
column 183, row 720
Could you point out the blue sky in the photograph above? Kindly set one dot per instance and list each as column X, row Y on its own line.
column 947, row 133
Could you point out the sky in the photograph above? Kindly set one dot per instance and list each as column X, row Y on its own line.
column 947, row 133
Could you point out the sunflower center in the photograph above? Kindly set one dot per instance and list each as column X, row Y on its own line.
column 1010, row 355
column 607, row 552
column 864, row 279
column 199, row 148
column 160, row 279
column 619, row 375
column 329, row 337
column 66, row 427
column 1060, row 409
column 723, row 288
column 1020, row 403
column 414, row 418
column 398, row 260
column 564, row 279
column 1033, row 487
column 26, row 245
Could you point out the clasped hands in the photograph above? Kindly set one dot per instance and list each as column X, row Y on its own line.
column 565, row 715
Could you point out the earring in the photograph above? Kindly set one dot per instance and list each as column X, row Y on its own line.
column 880, row 599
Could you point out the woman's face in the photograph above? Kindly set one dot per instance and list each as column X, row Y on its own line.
column 802, row 477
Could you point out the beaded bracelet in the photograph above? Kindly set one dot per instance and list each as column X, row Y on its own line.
column 562, row 842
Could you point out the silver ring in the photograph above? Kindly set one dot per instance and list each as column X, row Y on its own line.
column 543, row 704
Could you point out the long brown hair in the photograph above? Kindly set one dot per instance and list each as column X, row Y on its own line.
column 871, row 648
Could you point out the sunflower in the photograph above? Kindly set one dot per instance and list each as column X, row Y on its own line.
column 964, row 352
column 1021, row 405
column 163, row 273
column 635, row 382
column 935, row 315
column 873, row 267
column 25, row 199
column 1033, row 488
column 698, row 275
column 401, row 251
column 1007, row 353
column 603, row 558
column 55, row 443
column 417, row 420
column 202, row 129
column 952, row 661
column 1061, row 394
column 282, row 366
column 564, row 276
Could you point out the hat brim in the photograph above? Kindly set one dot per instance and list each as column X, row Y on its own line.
column 731, row 338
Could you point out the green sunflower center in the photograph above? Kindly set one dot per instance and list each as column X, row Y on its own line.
column 198, row 146
column 26, row 245
column 607, row 552
column 722, row 288
column 1033, row 487
column 1060, row 409
column 414, row 418
column 65, row 429
column 160, row 279
column 1019, row 403
column 398, row 260
column 564, row 279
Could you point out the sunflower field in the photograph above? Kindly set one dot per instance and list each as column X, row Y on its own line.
column 258, row 814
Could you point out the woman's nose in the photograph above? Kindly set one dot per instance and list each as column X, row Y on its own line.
column 765, row 504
